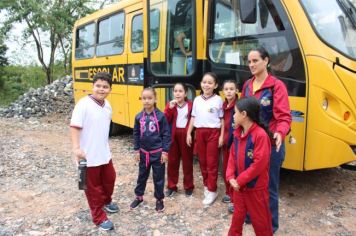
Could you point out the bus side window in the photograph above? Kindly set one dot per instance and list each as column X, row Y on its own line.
column 111, row 35
column 85, row 41
column 137, row 34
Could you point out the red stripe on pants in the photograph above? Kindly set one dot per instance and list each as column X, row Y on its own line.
column 207, row 142
column 180, row 150
column 226, row 153
column 257, row 204
column 100, row 186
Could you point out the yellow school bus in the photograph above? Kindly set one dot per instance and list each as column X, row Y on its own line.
column 160, row 42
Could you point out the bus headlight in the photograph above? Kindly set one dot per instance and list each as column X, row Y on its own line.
column 325, row 104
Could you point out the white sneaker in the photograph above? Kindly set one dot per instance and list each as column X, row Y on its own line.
column 206, row 191
column 210, row 198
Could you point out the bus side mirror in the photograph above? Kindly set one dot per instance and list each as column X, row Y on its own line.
column 248, row 13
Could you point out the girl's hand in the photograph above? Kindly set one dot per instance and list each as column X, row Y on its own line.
column 189, row 140
column 137, row 157
column 278, row 138
column 172, row 103
column 79, row 154
column 221, row 141
column 164, row 158
column 234, row 184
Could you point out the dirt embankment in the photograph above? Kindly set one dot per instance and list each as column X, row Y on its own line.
column 39, row 196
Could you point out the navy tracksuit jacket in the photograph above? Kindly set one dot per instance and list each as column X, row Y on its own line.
column 151, row 138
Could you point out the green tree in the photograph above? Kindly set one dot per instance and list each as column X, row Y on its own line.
column 48, row 22
column 3, row 59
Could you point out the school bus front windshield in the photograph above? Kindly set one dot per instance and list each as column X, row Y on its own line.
column 335, row 23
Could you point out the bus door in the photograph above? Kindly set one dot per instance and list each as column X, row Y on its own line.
column 134, row 62
column 231, row 38
column 171, row 53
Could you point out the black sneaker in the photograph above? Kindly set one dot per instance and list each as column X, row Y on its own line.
column 248, row 220
column 226, row 199
column 231, row 208
column 188, row 192
column 136, row 203
column 169, row 192
column 159, row 206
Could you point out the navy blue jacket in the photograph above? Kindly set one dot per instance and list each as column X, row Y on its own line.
column 151, row 131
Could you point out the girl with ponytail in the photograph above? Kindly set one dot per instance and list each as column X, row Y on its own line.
column 247, row 170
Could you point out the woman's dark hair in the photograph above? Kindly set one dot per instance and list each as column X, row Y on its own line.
column 152, row 90
column 215, row 77
column 185, row 88
column 252, row 108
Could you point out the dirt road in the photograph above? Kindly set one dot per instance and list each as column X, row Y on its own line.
column 39, row 196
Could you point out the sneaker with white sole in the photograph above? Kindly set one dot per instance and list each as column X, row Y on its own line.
column 205, row 191
column 210, row 198
column 106, row 225
column 111, row 207
column 135, row 203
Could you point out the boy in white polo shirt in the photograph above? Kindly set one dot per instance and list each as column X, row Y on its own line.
column 90, row 126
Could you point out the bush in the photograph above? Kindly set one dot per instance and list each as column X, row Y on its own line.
column 15, row 80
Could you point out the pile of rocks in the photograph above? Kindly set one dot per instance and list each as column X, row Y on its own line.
column 56, row 97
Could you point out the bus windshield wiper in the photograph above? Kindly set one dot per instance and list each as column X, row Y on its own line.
column 349, row 10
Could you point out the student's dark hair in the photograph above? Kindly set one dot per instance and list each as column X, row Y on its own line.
column 264, row 54
column 215, row 77
column 252, row 108
column 185, row 88
column 102, row 76
column 230, row 81
column 152, row 90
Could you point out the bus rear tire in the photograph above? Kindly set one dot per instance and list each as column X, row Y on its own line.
column 116, row 129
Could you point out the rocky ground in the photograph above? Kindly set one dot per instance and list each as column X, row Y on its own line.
column 39, row 195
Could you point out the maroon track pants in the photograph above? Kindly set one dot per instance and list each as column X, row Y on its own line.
column 100, row 186
column 257, row 204
column 225, row 161
column 180, row 150
column 207, row 142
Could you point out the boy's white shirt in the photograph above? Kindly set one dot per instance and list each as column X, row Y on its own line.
column 207, row 113
column 94, row 121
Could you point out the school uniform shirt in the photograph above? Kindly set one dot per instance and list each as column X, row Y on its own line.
column 93, row 118
column 273, row 98
column 178, row 117
column 207, row 111
column 229, row 111
column 151, row 131
column 249, row 158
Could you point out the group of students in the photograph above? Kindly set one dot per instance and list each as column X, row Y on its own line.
column 249, row 132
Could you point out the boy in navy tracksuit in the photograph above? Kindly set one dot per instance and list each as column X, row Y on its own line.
column 151, row 141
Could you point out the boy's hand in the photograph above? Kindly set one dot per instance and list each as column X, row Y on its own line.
column 234, row 184
column 189, row 140
column 221, row 141
column 79, row 154
column 137, row 157
column 164, row 157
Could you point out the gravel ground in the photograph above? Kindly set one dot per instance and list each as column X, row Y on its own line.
column 39, row 195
